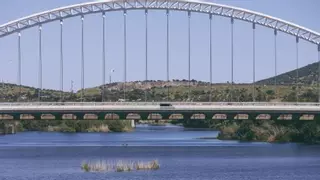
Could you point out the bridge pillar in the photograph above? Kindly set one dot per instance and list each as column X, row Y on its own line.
column 101, row 116
column 187, row 116
column 296, row 117
column 231, row 116
column 16, row 116
column 2, row 127
column 165, row 116
column 122, row 115
column 274, row 117
column 7, row 128
column 253, row 116
column 133, row 123
column 58, row 116
column 144, row 116
column 209, row 116
column 37, row 116
column 10, row 128
column 80, row 116
column 317, row 118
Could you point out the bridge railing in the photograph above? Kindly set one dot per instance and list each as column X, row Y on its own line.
column 158, row 104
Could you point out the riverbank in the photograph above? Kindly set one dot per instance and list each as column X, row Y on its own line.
column 74, row 126
column 307, row 132
column 40, row 155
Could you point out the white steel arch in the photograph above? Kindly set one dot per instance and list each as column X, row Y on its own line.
column 177, row 5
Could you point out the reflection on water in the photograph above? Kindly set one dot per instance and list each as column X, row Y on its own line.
column 37, row 155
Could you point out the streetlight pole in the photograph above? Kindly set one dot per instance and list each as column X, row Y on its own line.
column 110, row 75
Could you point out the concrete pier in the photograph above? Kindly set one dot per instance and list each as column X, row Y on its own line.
column 7, row 128
column 133, row 123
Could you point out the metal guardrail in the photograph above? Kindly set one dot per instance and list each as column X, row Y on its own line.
column 158, row 104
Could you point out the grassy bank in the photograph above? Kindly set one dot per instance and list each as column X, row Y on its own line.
column 75, row 125
column 268, row 131
column 119, row 166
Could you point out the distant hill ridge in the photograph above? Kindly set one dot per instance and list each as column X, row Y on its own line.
column 200, row 91
column 308, row 75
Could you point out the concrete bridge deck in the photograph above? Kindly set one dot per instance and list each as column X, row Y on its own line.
column 156, row 106
column 165, row 109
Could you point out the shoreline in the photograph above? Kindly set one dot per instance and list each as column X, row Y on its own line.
column 263, row 131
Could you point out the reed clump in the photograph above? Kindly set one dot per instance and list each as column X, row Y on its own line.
column 152, row 165
column 119, row 166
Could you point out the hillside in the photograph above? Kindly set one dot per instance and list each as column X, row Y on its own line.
column 178, row 90
column 10, row 93
column 307, row 75
column 157, row 91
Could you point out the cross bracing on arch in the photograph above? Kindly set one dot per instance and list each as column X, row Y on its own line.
column 176, row 5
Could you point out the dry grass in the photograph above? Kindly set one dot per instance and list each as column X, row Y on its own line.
column 119, row 166
column 101, row 128
column 231, row 129
column 269, row 131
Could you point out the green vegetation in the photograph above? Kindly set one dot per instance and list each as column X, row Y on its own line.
column 2, row 126
column 288, row 88
column 10, row 93
column 199, row 92
column 266, row 130
column 75, row 125
column 288, row 85
column 119, row 166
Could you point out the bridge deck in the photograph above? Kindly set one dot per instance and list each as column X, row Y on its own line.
column 175, row 106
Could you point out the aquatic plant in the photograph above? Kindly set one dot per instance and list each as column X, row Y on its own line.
column 85, row 167
column 122, row 166
column 153, row 165
column 119, row 166
column 97, row 166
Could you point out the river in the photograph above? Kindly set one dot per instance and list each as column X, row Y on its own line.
column 182, row 156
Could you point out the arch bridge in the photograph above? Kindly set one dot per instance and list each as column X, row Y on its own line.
column 217, row 110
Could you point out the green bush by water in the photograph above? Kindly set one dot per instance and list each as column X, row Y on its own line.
column 75, row 125
column 270, row 131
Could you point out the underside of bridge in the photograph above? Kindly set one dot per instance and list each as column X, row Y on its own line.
column 161, row 115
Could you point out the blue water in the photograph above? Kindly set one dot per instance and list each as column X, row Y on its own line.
column 58, row 156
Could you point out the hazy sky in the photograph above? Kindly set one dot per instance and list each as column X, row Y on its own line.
column 302, row 12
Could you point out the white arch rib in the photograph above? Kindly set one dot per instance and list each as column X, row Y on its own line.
column 177, row 5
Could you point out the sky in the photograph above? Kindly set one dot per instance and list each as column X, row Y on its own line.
column 300, row 12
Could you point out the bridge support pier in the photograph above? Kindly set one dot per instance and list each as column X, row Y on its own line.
column 231, row 116
column 144, row 116
column 165, row 116
column 208, row 116
column 80, row 116
column 7, row 128
column 2, row 128
column 253, row 116
column 274, row 117
column 317, row 118
column 133, row 123
column 296, row 117
column 16, row 116
column 187, row 116
column 37, row 116
column 101, row 116
column 122, row 116
column 58, row 116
